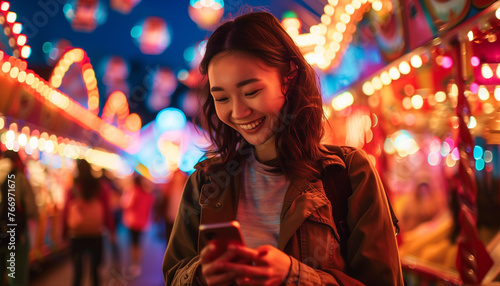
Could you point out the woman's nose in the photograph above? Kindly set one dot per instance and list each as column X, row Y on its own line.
column 240, row 109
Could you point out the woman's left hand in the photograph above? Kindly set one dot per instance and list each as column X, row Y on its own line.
column 270, row 266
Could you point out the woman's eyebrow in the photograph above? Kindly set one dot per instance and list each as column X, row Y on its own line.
column 238, row 85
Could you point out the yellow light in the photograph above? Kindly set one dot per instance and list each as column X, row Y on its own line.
column 404, row 67
column 6, row 67
column 93, row 102
column 320, row 40
column 385, row 78
column 325, row 19
column 2, row 123
column 416, row 61
column 440, row 96
column 25, row 52
column 21, row 40
column 377, row 5
column 10, row 135
column 449, row 161
column 483, row 93
column 314, row 29
column 291, row 23
column 319, row 50
column 394, row 73
column 498, row 70
column 497, row 13
column 49, row 146
column 33, row 142
column 417, row 101
column 11, row 17
column 342, row 101
column 322, row 28
column 56, row 81
column 488, row 108
column 345, row 18
column 337, row 37
column 368, row 88
column 406, row 103
column 486, row 71
column 14, row 72
column 497, row 93
column 333, row 2
column 470, row 36
column 472, row 123
column 330, row 54
column 356, row 4
column 17, row 28
column 335, row 46
column 5, row 6
column 453, row 90
column 133, row 122
column 22, row 76
column 350, row 9
column 329, row 10
column 377, row 83
column 341, row 27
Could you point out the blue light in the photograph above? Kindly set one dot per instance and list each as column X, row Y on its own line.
column 136, row 32
column 47, row 47
column 189, row 159
column 189, row 54
column 479, row 164
column 170, row 119
column 478, row 152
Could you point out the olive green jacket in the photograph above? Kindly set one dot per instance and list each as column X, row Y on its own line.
column 307, row 231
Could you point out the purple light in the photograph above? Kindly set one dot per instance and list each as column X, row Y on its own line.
column 446, row 62
column 474, row 61
column 474, row 87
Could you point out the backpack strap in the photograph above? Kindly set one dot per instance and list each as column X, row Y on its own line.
column 337, row 186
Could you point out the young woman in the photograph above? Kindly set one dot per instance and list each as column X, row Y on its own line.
column 263, row 112
column 88, row 216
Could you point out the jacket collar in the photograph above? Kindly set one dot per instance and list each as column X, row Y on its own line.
column 220, row 195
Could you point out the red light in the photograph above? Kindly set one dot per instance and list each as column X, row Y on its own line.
column 5, row 6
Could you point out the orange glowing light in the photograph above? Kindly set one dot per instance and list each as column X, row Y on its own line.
column 78, row 56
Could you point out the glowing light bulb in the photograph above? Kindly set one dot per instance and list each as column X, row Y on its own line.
column 486, row 71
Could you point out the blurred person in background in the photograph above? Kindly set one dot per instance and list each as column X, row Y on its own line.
column 137, row 203
column 88, row 216
column 169, row 200
column 12, row 177
column 114, row 193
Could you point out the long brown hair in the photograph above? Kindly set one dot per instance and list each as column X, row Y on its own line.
column 260, row 34
column 88, row 183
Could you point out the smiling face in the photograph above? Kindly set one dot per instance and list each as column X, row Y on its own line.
column 248, row 98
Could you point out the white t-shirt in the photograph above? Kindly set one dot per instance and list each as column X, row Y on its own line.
column 260, row 204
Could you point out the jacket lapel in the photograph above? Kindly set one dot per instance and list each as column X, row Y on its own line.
column 301, row 200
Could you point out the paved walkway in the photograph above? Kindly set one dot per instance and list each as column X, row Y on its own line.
column 153, row 249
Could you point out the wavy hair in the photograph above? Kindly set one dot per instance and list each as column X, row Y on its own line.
column 260, row 35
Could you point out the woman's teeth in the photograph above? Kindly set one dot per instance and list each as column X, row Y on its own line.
column 252, row 125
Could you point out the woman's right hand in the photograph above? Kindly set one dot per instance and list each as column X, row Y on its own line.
column 217, row 268
column 265, row 265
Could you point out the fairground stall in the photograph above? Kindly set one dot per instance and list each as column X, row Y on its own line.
column 55, row 120
column 417, row 85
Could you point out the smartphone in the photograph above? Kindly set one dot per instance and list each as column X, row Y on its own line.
column 222, row 234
